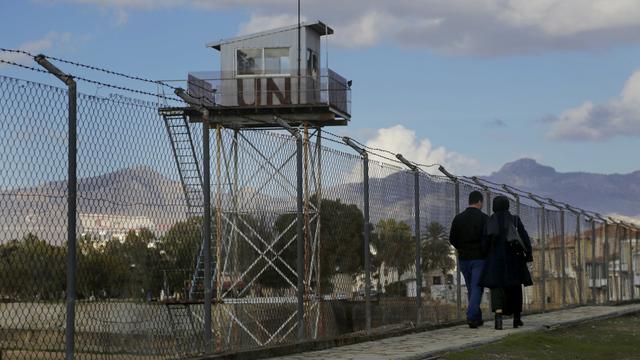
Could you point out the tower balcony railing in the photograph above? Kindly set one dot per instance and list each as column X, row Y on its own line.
column 325, row 89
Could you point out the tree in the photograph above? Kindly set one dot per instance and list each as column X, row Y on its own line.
column 394, row 244
column 341, row 239
column 32, row 268
column 100, row 273
column 436, row 251
column 178, row 251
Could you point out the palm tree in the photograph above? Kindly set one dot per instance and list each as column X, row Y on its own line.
column 436, row 250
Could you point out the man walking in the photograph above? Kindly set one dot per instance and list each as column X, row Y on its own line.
column 467, row 230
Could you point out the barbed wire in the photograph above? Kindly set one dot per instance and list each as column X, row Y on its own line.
column 9, row 62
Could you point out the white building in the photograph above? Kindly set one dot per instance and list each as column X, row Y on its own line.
column 105, row 227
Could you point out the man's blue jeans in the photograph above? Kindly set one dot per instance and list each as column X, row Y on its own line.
column 471, row 270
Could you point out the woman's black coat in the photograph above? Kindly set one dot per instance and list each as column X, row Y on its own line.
column 504, row 267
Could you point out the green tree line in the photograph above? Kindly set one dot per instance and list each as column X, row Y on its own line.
column 143, row 263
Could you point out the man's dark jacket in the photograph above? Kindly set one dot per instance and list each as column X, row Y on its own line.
column 467, row 230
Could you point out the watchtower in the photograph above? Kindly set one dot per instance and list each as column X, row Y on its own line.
column 267, row 80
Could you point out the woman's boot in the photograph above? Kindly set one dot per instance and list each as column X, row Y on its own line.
column 517, row 321
column 498, row 320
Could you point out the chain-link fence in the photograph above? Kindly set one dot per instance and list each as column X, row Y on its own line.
column 287, row 220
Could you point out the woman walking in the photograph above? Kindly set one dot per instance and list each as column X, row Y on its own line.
column 508, row 250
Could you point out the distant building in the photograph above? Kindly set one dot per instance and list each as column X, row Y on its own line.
column 106, row 227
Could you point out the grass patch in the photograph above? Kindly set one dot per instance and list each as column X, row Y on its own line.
column 617, row 338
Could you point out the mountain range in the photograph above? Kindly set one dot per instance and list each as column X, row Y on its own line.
column 144, row 192
column 607, row 194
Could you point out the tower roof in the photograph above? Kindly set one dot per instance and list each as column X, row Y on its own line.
column 318, row 26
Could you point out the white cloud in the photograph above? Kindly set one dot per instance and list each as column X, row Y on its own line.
column 49, row 41
column 589, row 121
column 400, row 140
column 259, row 23
column 486, row 27
column 627, row 219
column 364, row 31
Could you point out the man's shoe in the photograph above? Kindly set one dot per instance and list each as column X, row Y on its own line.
column 472, row 324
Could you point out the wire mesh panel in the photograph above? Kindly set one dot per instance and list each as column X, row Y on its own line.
column 342, row 249
column 588, row 241
column 600, row 264
column 635, row 262
column 33, row 208
column 141, row 274
column 438, row 259
column 610, row 244
column 623, row 264
column 138, row 235
column 392, row 204
column 555, row 243
column 531, row 219
column 627, row 263
column 576, row 252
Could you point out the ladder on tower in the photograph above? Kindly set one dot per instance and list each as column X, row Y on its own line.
column 177, row 126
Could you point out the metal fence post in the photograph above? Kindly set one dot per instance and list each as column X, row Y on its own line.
column 594, row 269
column 72, row 192
column 543, row 232
column 620, row 229
column 367, row 250
column 620, row 282
column 367, row 231
column 621, row 233
column 300, row 238
column 488, row 203
column 543, row 245
column 619, row 246
column 579, row 253
column 416, row 190
column 206, row 229
column 516, row 197
column 563, row 280
column 636, row 247
column 630, row 266
column 456, row 205
column 563, row 276
column 605, row 259
column 578, row 239
column 615, row 290
column 458, row 273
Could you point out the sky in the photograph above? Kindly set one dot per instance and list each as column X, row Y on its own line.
column 471, row 84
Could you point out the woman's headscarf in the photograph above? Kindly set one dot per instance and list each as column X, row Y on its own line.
column 500, row 209
column 500, row 203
